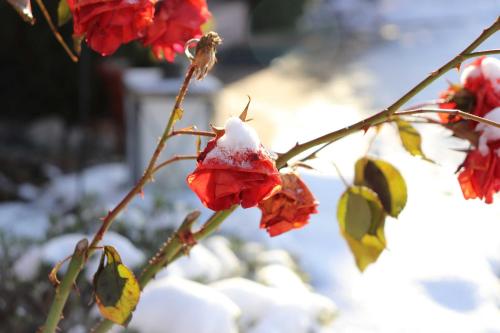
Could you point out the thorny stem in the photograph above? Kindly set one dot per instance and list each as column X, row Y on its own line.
column 148, row 173
column 54, row 30
column 386, row 114
column 462, row 114
column 63, row 290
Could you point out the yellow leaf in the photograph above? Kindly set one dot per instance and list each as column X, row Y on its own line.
column 366, row 251
column 116, row 288
column 411, row 139
column 63, row 13
column 361, row 220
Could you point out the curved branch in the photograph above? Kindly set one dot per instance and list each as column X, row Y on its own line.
column 454, row 112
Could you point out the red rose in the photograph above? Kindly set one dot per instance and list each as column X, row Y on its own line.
column 106, row 24
column 482, row 78
column 289, row 208
column 234, row 169
column 176, row 22
column 480, row 175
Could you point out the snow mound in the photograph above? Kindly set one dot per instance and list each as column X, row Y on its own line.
column 279, row 257
column 26, row 268
column 230, row 263
column 491, row 71
column 23, row 220
column 238, row 136
column 103, row 181
column 282, row 277
column 268, row 309
column 469, row 72
column 177, row 305
column 200, row 265
column 488, row 132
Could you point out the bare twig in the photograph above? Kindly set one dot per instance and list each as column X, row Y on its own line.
column 54, row 30
column 174, row 159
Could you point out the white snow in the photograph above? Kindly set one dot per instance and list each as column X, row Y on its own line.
column 200, row 265
column 281, row 277
column 60, row 247
column 469, row 72
column 488, row 132
column 238, row 138
column 26, row 268
column 269, row 309
column 23, row 220
column 238, row 135
column 490, row 67
column 65, row 191
column 276, row 256
column 230, row 264
column 173, row 304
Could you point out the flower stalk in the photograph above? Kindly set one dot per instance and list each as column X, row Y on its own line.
column 62, row 291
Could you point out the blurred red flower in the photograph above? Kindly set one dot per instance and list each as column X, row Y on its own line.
column 289, row 208
column 243, row 177
column 480, row 174
column 175, row 22
column 106, row 24
column 479, row 92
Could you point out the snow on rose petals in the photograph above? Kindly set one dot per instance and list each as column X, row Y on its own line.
column 234, row 169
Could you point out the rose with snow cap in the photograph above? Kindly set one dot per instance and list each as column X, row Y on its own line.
column 106, row 24
column 480, row 173
column 289, row 208
column 478, row 91
column 233, row 169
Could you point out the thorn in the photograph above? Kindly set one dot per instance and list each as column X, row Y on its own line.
column 365, row 128
column 219, row 131
column 141, row 194
column 244, row 114
column 458, row 66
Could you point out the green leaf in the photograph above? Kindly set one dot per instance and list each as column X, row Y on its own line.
column 63, row 13
column 355, row 214
column 116, row 288
column 361, row 220
column 385, row 180
column 411, row 139
column 23, row 8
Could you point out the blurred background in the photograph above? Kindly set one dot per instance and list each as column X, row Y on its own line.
column 74, row 138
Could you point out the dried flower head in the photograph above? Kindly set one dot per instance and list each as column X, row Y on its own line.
column 289, row 208
column 204, row 58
